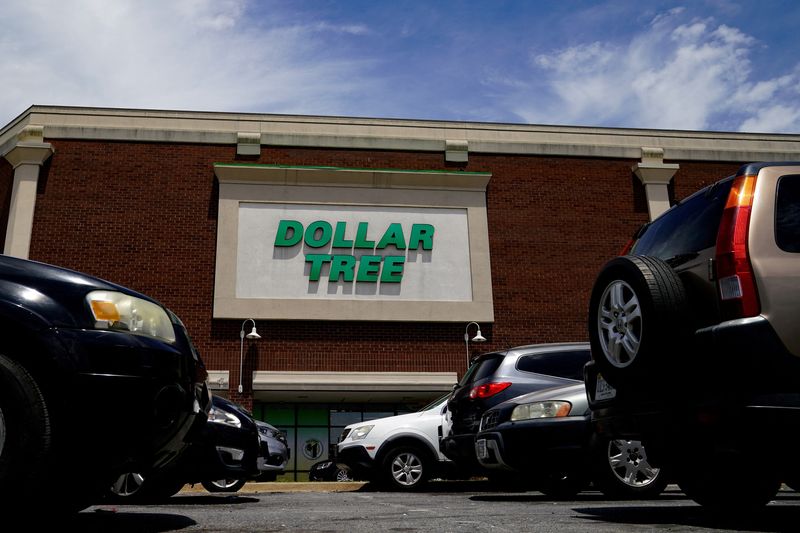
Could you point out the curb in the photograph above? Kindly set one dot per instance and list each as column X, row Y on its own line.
column 287, row 486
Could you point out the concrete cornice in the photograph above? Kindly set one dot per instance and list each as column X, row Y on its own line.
column 395, row 134
column 353, row 381
column 28, row 154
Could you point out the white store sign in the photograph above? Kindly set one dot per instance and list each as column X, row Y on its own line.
column 316, row 251
column 324, row 243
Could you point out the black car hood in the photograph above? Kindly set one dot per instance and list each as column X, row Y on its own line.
column 55, row 294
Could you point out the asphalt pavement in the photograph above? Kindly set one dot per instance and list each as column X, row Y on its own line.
column 472, row 507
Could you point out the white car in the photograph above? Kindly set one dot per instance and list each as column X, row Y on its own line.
column 401, row 452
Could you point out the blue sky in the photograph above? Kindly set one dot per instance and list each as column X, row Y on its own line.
column 721, row 65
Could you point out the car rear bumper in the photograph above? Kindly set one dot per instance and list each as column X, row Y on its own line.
column 750, row 348
column 729, row 362
column 460, row 449
column 736, row 385
column 535, row 446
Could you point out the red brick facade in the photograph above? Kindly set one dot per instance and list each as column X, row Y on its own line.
column 144, row 215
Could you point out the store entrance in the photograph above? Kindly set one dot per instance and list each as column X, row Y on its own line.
column 313, row 429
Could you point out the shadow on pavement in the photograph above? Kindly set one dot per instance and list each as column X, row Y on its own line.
column 588, row 495
column 103, row 521
column 186, row 499
column 768, row 519
column 444, row 486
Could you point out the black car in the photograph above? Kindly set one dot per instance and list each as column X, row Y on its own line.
column 71, row 344
column 499, row 376
column 222, row 458
column 545, row 440
column 330, row 470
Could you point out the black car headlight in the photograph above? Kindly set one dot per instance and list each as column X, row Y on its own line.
column 530, row 411
column 268, row 432
column 218, row 416
column 121, row 312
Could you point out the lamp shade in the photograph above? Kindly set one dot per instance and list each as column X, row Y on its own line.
column 478, row 337
column 254, row 334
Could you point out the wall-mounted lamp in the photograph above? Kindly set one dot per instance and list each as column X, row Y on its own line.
column 477, row 338
column 252, row 335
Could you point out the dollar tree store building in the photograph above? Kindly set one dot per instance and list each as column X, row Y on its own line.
column 363, row 250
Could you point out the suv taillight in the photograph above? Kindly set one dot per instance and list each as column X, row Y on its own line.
column 488, row 390
column 737, row 286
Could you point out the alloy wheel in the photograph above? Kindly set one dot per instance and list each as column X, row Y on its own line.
column 128, row 484
column 406, row 469
column 343, row 475
column 619, row 323
column 224, row 483
column 629, row 464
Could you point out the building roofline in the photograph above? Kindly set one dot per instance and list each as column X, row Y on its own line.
column 205, row 127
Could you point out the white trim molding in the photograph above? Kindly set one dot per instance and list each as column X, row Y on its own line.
column 354, row 381
column 341, row 387
column 145, row 125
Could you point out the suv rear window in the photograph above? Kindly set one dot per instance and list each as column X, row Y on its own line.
column 483, row 368
column 787, row 214
column 687, row 228
column 559, row 364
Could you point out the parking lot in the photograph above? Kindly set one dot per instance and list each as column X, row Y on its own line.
column 447, row 506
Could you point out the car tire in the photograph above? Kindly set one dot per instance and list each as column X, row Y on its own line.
column 637, row 315
column 793, row 484
column 127, row 485
column 223, row 485
column 406, row 468
column 729, row 488
column 25, row 434
column 343, row 473
column 135, row 487
column 622, row 472
column 562, row 486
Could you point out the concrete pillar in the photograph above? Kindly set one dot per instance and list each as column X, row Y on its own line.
column 26, row 157
column 655, row 175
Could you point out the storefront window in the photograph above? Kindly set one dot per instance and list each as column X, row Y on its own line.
column 313, row 430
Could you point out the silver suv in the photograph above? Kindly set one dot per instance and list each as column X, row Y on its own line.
column 694, row 338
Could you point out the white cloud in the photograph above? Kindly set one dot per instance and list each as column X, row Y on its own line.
column 279, row 56
column 777, row 118
column 668, row 75
column 352, row 29
column 189, row 54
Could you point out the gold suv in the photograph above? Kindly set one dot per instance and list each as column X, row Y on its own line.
column 694, row 338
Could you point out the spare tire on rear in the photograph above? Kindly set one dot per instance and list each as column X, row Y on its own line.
column 637, row 318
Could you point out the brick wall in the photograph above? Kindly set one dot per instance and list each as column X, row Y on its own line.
column 144, row 215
